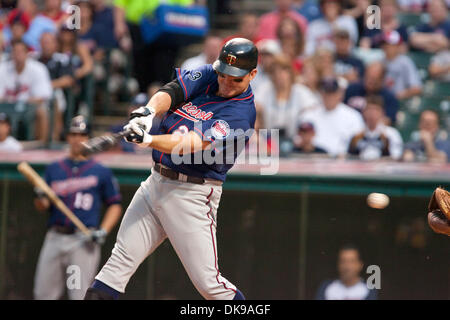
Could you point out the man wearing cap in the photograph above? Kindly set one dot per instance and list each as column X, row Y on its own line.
column 346, row 64
column 402, row 76
column 207, row 118
column 7, row 142
column 84, row 186
column 336, row 122
column 373, row 84
column 304, row 144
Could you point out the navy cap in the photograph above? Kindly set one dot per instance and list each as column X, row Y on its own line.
column 79, row 125
column 329, row 85
column 5, row 118
column 306, row 126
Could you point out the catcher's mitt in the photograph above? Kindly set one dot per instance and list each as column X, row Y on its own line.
column 439, row 211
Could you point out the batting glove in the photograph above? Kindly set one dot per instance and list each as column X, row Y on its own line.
column 98, row 236
column 39, row 193
column 138, row 135
column 143, row 117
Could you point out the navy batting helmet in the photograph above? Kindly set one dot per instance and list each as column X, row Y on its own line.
column 238, row 57
column 79, row 125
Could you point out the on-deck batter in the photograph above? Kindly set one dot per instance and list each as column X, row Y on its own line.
column 208, row 110
column 83, row 185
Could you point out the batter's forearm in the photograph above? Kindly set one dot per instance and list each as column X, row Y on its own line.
column 112, row 217
column 161, row 102
column 177, row 143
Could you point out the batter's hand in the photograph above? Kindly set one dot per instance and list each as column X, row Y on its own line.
column 143, row 117
column 98, row 236
column 139, row 136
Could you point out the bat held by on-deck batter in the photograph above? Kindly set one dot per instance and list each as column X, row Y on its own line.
column 35, row 179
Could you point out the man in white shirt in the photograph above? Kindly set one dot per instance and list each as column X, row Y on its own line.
column 377, row 140
column 349, row 285
column 320, row 31
column 336, row 122
column 23, row 79
column 7, row 142
column 211, row 50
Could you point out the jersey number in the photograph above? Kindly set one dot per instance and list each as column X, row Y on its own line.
column 83, row 201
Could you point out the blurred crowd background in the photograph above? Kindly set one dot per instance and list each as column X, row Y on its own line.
column 333, row 81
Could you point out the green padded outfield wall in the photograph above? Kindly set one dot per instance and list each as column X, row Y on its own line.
column 271, row 245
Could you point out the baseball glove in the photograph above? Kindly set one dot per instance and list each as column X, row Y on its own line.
column 439, row 211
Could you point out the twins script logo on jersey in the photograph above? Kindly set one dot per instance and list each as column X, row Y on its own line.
column 220, row 129
column 193, row 113
column 72, row 185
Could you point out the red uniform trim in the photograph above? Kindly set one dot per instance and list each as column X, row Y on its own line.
column 214, row 245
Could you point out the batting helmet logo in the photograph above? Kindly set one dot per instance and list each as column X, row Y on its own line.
column 231, row 59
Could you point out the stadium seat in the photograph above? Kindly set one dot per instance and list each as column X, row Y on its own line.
column 435, row 103
column 407, row 123
column 420, row 59
column 435, row 88
column 410, row 19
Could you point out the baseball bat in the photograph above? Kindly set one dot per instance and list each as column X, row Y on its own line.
column 103, row 143
column 35, row 179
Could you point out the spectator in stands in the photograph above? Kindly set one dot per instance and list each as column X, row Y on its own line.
column 307, row 8
column 105, row 20
column 78, row 53
column 25, row 80
column 18, row 23
column 402, row 76
column 372, row 38
column 38, row 25
column 346, row 64
column 433, row 36
column 315, row 68
column 413, row 6
column 303, row 143
column 209, row 54
column 376, row 140
column 267, row 50
column 292, row 42
column 429, row 143
column 373, row 84
column 357, row 9
column 281, row 100
column 320, row 31
column 268, row 23
column 61, row 75
column 336, row 122
column 158, row 57
column 90, row 34
column 349, row 285
column 248, row 28
column 7, row 142
column 53, row 10
column 439, row 67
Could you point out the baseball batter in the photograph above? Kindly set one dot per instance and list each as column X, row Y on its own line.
column 83, row 185
column 205, row 111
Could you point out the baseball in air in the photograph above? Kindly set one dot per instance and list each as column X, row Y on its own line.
column 377, row 200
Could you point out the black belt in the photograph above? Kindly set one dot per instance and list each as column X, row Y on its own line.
column 63, row 229
column 173, row 175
